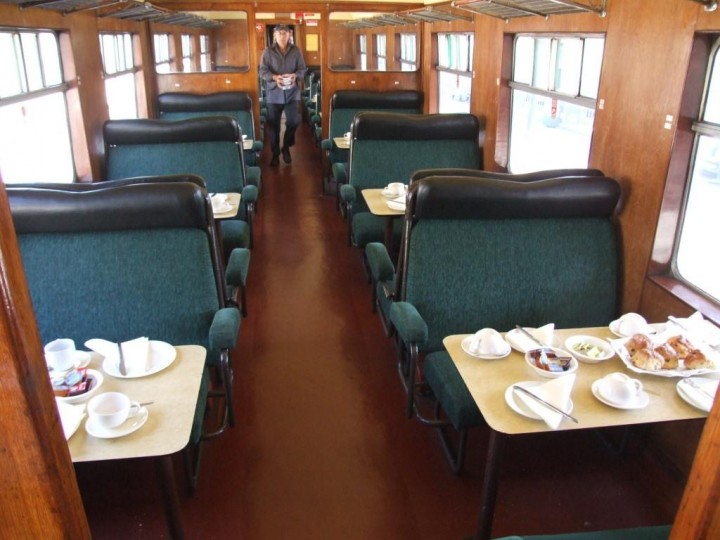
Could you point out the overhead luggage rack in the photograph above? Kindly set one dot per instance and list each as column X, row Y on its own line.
column 120, row 9
column 510, row 9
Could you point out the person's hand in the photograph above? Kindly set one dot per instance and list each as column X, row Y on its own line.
column 291, row 76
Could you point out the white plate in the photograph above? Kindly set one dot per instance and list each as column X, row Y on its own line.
column 619, row 346
column 639, row 403
column 161, row 356
column 601, row 344
column 126, row 428
column 519, row 406
column 553, row 374
column 691, row 395
column 654, row 328
column 388, row 195
column 95, row 376
column 465, row 344
column 396, row 206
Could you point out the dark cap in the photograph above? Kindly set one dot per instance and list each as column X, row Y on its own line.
column 281, row 27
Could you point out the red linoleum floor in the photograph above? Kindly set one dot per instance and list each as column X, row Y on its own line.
column 322, row 449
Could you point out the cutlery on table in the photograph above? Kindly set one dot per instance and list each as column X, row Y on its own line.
column 121, row 360
column 548, row 405
column 699, row 388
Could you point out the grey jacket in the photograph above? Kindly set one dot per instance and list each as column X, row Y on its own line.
column 273, row 62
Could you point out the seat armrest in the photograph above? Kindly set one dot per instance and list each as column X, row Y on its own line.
column 224, row 329
column 339, row 170
column 326, row 144
column 253, row 176
column 257, row 145
column 249, row 194
column 381, row 266
column 408, row 322
column 347, row 193
column 237, row 267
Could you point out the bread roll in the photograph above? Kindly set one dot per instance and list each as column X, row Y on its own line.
column 637, row 342
column 697, row 360
column 647, row 359
column 669, row 356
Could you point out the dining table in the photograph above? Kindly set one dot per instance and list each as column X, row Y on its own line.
column 233, row 201
column 248, row 144
column 489, row 380
column 342, row 142
column 377, row 205
column 171, row 394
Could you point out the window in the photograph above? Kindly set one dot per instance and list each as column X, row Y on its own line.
column 407, row 52
column 362, row 48
column 33, row 109
column 119, row 69
column 554, row 89
column 455, row 60
column 187, row 52
column 695, row 261
column 205, row 60
column 161, row 43
column 380, row 52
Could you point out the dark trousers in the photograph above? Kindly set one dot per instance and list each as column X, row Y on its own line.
column 292, row 121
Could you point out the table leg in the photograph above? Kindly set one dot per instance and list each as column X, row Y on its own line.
column 166, row 473
column 490, row 484
column 389, row 235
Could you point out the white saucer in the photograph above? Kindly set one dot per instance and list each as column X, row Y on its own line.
column 519, row 406
column 221, row 208
column 385, row 193
column 651, row 329
column 161, row 356
column 126, row 428
column 465, row 344
column 97, row 378
column 640, row 402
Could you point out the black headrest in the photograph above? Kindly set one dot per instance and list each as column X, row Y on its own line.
column 104, row 184
column 149, row 205
column 220, row 101
column 358, row 99
column 451, row 197
column 142, row 131
column 397, row 126
column 524, row 177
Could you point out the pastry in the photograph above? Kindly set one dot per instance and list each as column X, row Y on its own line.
column 697, row 360
column 669, row 356
column 681, row 345
column 647, row 359
column 638, row 341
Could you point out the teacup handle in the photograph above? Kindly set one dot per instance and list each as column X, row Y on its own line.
column 638, row 385
column 135, row 409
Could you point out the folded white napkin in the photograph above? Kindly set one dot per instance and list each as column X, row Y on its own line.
column 70, row 416
column 556, row 392
column 136, row 352
column 700, row 328
column 700, row 391
column 544, row 335
column 220, row 202
column 396, row 204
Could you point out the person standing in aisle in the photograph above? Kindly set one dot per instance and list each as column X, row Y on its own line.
column 281, row 66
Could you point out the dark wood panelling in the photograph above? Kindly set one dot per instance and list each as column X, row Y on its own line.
column 40, row 497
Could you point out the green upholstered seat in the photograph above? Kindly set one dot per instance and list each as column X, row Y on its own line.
column 658, row 532
column 127, row 261
column 483, row 252
column 208, row 147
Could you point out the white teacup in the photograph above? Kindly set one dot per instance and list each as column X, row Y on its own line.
column 111, row 409
column 60, row 354
column 632, row 323
column 488, row 341
column 619, row 388
column 396, row 188
column 347, row 135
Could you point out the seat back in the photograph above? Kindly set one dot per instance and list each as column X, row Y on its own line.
column 345, row 104
column 120, row 261
column 184, row 105
column 487, row 253
column 389, row 147
column 208, row 147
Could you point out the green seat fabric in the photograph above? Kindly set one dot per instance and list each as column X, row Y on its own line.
column 368, row 228
column 450, row 390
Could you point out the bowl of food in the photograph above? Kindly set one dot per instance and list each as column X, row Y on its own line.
column 589, row 349
column 551, row 362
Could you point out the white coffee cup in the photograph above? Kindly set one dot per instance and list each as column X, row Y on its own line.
column 111, row 409
column 396, row 188
column 632, row 323
column 619, row 388
column 60, row 354
column 347, row 135
column 488, row 341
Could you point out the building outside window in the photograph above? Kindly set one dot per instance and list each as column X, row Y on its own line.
column 554, row 91
column 695, row 260
column 35, row 143
column 455, row 60
column 408, row 54
column 119, row 72
column 161, row 43
column 380, row 52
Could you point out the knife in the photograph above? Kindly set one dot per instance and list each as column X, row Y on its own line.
column 121, row 363
column 548, row 405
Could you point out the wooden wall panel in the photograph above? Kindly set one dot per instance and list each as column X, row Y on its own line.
column 40, row 497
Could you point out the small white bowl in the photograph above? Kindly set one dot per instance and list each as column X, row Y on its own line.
column 592, row 349
column 559, row 353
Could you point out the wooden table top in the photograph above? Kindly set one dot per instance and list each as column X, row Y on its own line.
column 377, row 204
column 234, row 200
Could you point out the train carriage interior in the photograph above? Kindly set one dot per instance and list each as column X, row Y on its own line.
column 430, row 269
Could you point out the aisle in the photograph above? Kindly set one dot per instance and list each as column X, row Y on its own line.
column 322, row 449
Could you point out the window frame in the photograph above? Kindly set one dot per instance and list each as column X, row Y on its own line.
column 403, row 48
column 133, row 70
column 164, row 60
column 450, row 40
column 380, row 39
